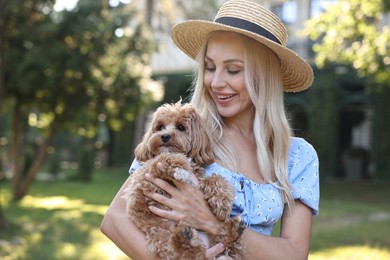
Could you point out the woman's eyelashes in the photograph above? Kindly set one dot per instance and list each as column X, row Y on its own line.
column 231, row 71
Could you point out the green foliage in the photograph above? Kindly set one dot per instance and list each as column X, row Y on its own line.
column 381, row 130
column 71, row 71
column 323, row 100
column 86, row 162
column 71, row 66
column 352, row 32
column 54, row 164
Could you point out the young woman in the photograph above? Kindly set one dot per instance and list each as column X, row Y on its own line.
column 244, row 67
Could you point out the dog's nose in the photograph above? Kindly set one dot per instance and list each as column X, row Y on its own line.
column 165, row 138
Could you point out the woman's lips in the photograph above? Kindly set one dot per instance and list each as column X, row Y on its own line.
column 225, row 97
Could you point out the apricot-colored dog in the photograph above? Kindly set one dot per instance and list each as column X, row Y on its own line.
column 176, row 145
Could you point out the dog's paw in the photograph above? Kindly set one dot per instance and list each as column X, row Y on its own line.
column 233, row 229
column 241, row 225
column 182, row 175
column 187, row 233
column 238, row 226
column 161, row 167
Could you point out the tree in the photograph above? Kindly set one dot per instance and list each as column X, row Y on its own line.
column 3, row 222
column 352, row 32
column 67, row 70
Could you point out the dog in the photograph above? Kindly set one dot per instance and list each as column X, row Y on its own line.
column 176, row 145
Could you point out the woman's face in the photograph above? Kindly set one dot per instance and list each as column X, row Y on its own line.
column 224, row 75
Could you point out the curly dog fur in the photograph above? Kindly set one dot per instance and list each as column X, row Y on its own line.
column 177, row 145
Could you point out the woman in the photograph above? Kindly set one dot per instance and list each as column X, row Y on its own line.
column 244, row 67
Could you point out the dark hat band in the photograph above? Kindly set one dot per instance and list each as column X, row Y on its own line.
column 248, row 26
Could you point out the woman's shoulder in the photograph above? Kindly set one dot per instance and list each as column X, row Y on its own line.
column 300, row 146
column 296, row 141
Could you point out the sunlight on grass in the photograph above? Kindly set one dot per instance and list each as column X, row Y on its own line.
column 104, row 247
column 72, row 210
column 351, row 252
column 57, row 202
column 67, row 250
column 61, row 202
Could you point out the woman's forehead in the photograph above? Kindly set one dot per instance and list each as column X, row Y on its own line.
column 225, row 45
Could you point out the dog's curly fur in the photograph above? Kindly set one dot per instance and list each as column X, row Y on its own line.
column 176, row 145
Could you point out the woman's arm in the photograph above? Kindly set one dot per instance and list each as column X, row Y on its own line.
column 186, row 205
column 293, row 242
column 118, row 227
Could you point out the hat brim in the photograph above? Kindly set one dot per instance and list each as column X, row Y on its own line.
column 297, row 74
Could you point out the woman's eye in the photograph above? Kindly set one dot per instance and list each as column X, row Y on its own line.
column 234, row 71
column 209, row 66
column 210, row 69
column 181, row 128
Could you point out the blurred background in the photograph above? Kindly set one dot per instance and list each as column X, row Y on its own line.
column 79, row 79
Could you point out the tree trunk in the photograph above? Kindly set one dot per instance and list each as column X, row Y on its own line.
column 3, row 221
column 16, row 144
column 21, row 182
column 25, row 182
column 34, row 168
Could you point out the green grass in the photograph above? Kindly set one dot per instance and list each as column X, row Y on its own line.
column 60, row 220
column 354, row 222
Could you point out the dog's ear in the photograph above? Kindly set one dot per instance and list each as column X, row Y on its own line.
column 142, row 152
column 202, row 141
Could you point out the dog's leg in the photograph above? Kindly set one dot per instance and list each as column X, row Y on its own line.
column 187, row 244
column 158, row 242
column 219, row 194
column 230, row 235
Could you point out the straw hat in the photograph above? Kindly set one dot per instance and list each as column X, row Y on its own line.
column 253, row 20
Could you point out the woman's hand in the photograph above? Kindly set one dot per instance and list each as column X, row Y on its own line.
column 186, row 204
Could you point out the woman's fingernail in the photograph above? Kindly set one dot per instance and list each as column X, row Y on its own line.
column 147, row 175
column 220, row 245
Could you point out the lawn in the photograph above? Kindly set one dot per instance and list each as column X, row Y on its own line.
column 60, row 220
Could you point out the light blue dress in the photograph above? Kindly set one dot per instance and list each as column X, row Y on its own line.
column 261, row 205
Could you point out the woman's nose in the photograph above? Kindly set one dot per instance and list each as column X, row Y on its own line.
column 218, row 80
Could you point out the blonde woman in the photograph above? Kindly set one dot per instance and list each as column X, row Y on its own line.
column 244, row 67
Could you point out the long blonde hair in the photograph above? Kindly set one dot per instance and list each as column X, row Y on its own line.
column 272, row 132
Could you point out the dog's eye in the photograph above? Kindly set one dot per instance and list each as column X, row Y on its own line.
column 160, row 127
column 181, row 128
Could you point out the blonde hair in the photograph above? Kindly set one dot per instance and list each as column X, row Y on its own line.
column 271, row 128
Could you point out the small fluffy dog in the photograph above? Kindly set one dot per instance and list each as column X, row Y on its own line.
column 176, row 145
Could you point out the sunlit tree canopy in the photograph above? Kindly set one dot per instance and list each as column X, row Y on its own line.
column 354, row 32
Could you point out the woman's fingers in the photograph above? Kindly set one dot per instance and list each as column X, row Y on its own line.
column 180, row 185
column 160, row 183
column 185, row 203
column 214, row 251
column 162, row 199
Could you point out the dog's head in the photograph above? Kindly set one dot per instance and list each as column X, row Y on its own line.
column 177, row 128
